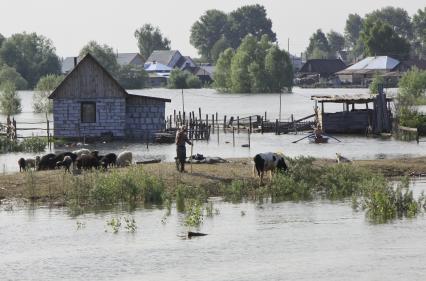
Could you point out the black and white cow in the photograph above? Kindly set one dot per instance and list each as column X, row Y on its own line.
column 269, row 161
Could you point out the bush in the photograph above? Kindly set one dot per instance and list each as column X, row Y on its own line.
column 183, row 80
column 34, row 144
column 46, row 84
column 10, row 102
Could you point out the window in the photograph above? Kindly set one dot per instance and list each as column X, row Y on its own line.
column 88, row 112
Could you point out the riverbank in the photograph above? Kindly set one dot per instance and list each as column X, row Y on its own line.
column 53, row 186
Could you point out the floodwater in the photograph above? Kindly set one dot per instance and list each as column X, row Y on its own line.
column 298, row 103
column 319, row 240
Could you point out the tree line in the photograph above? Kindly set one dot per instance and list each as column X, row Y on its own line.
column 388, row 31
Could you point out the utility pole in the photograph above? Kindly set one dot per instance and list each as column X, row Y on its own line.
column 183, row 103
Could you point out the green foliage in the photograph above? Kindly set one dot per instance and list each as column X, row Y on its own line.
column 150, row 39
column 336, row 42
column 380, row 39
column 413, row 83
column 255, row 67
column 45, row 86
column 194, row 214
column 318, row 47
column 2, row 39
column 8, row 73
column 10, row 102
column 104, row 54
column 222, row 74
column 397, row 18
column 183, row 80
column 208, row 34
column 132, row 77
column 33, row 144
column 419, row 33
column 32, row 55
column 374, row 86
column 352, row 29
column 215, row 31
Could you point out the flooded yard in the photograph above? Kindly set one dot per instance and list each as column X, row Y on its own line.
column 319, row 240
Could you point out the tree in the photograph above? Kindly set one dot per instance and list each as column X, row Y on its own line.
column 149, row 39
column 8, row 73
column 419, row 31
column 279, row 69
column 222, row 73
column 374, row 86
column 397, row 18
column 352, row 29
column 250, row 19
column 207, row 31
column 220, row 46
column 1, row 39
column 45, row 86
column 132, row 77
column 240, row 76
column 336, row 42
column 413, row 83
column 183, row 80
column 10, row 102
column 104, row 54
column 318, row 46
column 32, row 55
column 381, row 40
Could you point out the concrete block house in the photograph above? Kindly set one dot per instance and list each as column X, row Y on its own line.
column 91, row 103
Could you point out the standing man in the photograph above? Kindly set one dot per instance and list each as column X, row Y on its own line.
column 181, row 139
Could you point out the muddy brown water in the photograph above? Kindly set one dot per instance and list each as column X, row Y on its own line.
column 319, row 240
column 298, row 103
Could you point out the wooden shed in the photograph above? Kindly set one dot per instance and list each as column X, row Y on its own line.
column 361, row 114
column 91, row 103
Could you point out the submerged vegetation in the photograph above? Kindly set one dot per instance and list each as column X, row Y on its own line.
column 31, row 144
column 382, row 200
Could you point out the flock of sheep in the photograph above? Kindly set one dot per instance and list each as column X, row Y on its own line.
column 80, row 159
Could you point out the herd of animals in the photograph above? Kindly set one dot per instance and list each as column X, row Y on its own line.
column 79, row 159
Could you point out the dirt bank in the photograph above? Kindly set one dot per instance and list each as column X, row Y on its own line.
column 48, row 185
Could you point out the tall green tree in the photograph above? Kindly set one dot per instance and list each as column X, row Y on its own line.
column 279, row 69
column 397, row 18
column 180, row 79
column 8, row 73
column 212, row 27
column 250, row 19
column 222, row 73
column 32, row 55
column 240, row 76
column 10, row 102
column 45, row 86
column 104, row 54
column 419, row 31
column 336, row 42
column 352, row 29
column 220, row 46
column 318, row 47
column 1, row 39
column 149, row 39
column 381, row 40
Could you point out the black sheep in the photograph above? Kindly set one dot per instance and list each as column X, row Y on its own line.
column 67, row 162
column 22, row 164
column 61, row 156
column 47, row 162
column 108, row 160
column 87, row 162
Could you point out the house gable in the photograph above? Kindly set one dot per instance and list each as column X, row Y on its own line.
column 88, row 80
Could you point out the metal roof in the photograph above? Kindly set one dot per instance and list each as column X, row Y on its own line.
column 371, row 64
column 157, row 67
column 358, row 98
column 126, row 58
column 162, row 56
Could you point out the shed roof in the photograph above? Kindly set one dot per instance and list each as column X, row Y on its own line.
column 162, row 56
column 358, row 98
column 90, row 59
column 323, row 66
column 126, row 58
column 380, row 63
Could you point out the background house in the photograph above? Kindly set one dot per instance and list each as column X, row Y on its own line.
column 170, row 58
column 91, row 103
column 130, row 58
column 319, row 70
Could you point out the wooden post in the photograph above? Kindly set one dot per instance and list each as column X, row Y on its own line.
column 276, row 126
column 248, row 131
column 199, row 112
column 213, row 123
column 233, row 136
column 224, row 123
column 174, row 117
column 250, row 124
column 15, row 133
column 238, row 124
column 261, row 126
column 265, row 117
column 48, row 138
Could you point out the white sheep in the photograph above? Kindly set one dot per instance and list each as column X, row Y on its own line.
column 124, row 159
column 81, row 151
column 31, row 163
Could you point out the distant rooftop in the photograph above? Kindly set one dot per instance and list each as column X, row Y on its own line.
column 126, row 58
column 371, row 63
column 358, row 98
column 162, row 56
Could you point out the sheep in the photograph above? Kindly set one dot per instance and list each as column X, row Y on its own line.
column 47, row 162
column 87, row 162
column 81, row 151
column 124, row 159
column 31, row 163
column 22, row 165
column 108, row 160
column 61, row 156
column 341, row 159
column 65, row 163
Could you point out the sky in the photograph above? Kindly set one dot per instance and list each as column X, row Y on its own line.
column 71, row 24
